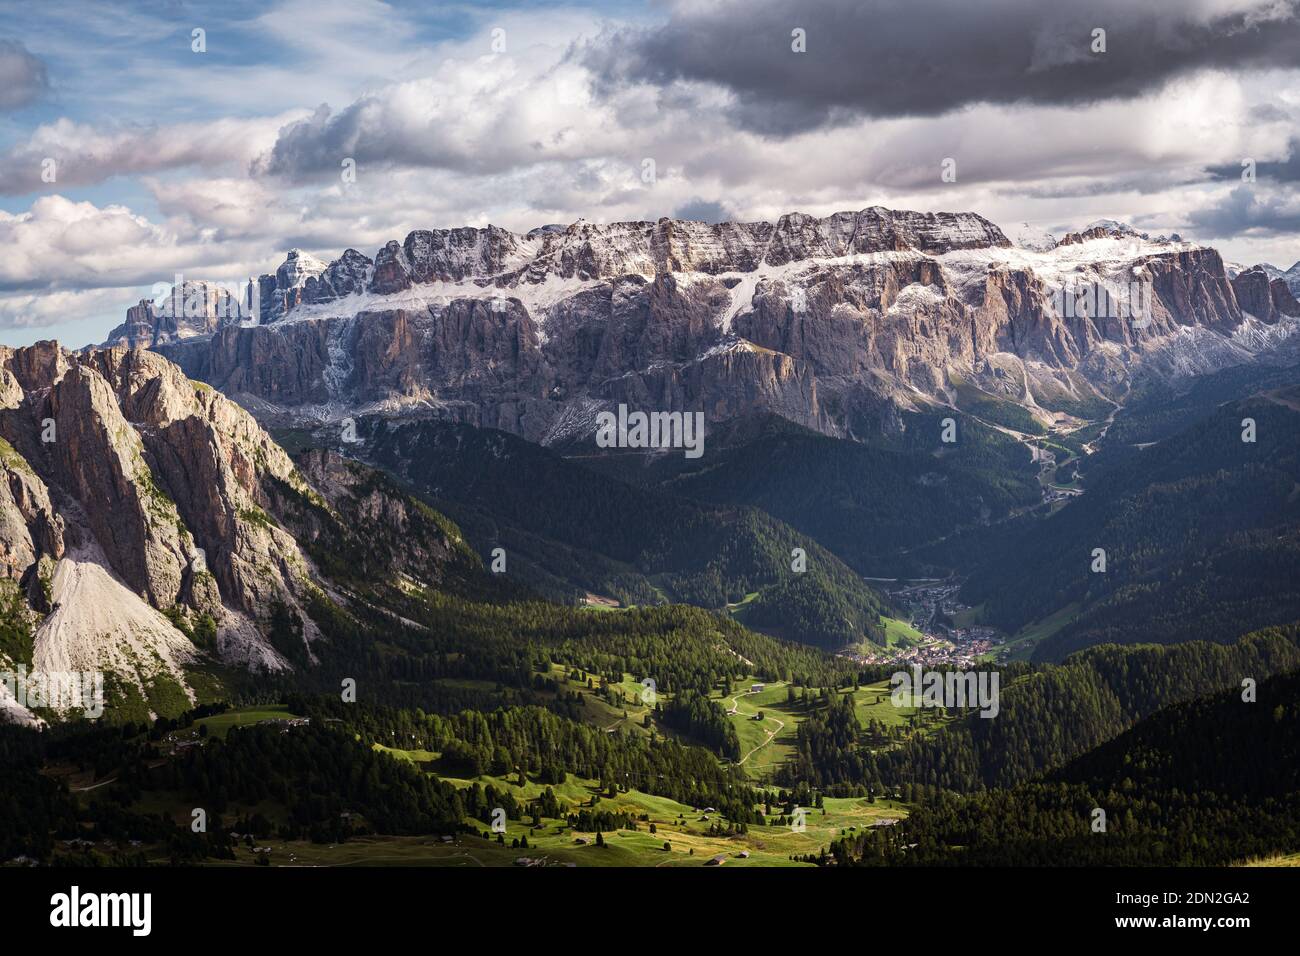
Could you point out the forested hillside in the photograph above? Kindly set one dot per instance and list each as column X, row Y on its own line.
column 1201, row 534
column 871, row 501
column 1170, row 796
column 566, row 529
column 1049, row 714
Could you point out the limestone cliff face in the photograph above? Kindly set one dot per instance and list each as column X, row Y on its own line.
column 821, row 320
column 30, row 528
column 211, row 458
column 139, row 508
column 193, row 308
column 1268, row 299
column 99, row 459
column 156, row 491
column 281, row 364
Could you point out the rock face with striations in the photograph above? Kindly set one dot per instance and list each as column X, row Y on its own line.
column 114, row 461
column 1267, row 299
column 141, row 512
column 833, row 322
column 192, row 308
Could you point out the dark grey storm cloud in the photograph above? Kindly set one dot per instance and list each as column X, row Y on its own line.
column 703, row 210
column 1283, row 170
column 927, row 57
column 1249, row 209
column 366, row 131
column 22, row 76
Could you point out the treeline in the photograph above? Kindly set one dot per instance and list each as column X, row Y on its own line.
column 328, row 783
column 545, row 746
column 318, row 774
column 701, row 719
column 34, row 810
column 801, row 606
column 409, row 648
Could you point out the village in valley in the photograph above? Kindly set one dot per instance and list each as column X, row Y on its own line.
column 945, row 630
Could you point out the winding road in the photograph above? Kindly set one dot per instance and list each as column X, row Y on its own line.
column 771, row 734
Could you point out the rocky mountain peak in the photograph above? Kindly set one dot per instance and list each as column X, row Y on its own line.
column 297, row 268
column 128, row 493
column 191, row 308
column 1266, row 297
column 1110, row 228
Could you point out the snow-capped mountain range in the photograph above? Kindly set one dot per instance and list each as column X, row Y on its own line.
column 836, row 322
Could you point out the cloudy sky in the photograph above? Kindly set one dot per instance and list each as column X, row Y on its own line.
column 132, row 150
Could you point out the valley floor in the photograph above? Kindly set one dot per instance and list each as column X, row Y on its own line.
column 556, row 844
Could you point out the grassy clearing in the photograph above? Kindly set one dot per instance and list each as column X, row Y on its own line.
column 900, row 633
column 765, row 743
column 418, row 757
column 768, row 743
column 1280, row 859
column 1021, row 645
column 740, row 609
column 686, row 829
column 627, row 710
column 873, row 702
column 221, row 724
column 681, row 826
column 969, row 616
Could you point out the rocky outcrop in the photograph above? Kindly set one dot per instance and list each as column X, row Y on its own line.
column 211, row 458
column 287, row 288
column 155, row 487
column 97, row 457
column 30, row 529
column 347, row 275
column 139, row 508
column 192, row 308
column 140, row 330
column 1267, row 299
column 283, row 365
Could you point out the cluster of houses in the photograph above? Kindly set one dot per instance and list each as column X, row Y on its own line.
column 285, row 723
column 972, row 642
column 929, row 604
column 179, row 741
column 183, row 740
